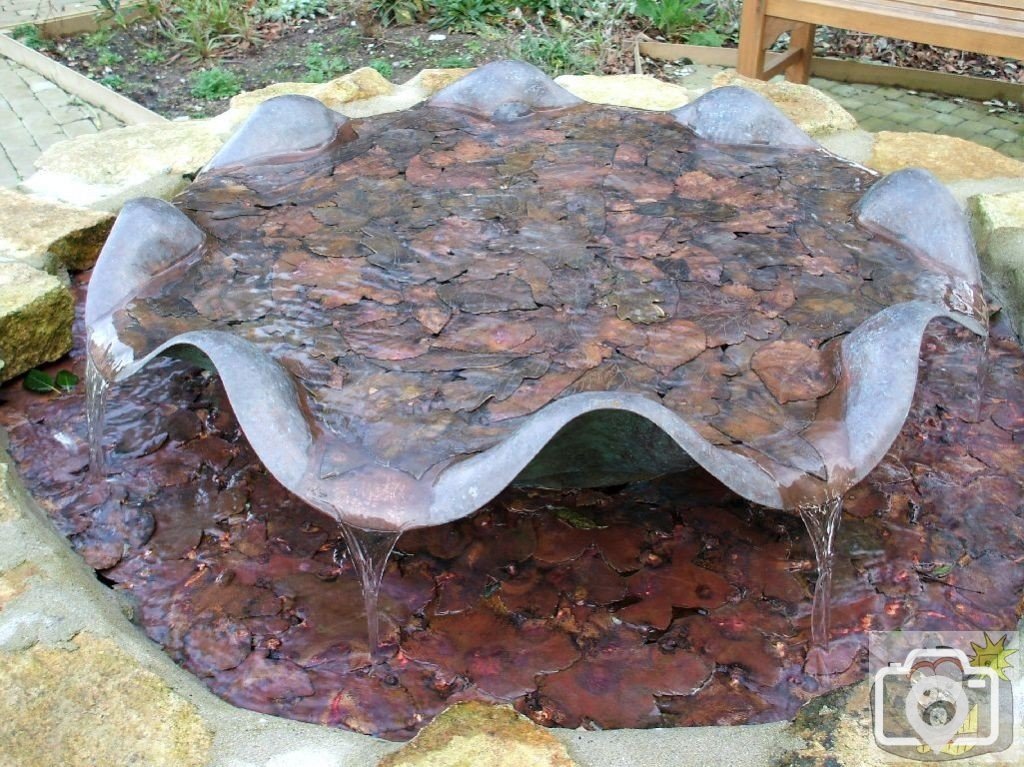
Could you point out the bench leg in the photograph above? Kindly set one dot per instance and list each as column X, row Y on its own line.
column 752, row 45
column 801, row 37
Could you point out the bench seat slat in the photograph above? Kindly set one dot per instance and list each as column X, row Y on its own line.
column 993, row 10
column 903, row 12
column 937, row 26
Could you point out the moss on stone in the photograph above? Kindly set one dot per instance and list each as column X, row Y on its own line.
column 36, row 312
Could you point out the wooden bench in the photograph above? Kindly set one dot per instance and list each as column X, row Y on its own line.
column 994, row 27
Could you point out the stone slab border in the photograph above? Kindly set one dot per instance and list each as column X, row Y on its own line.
column 124, row 109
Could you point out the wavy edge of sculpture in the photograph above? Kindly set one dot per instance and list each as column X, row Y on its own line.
column 732, row 115
column 270, row 133
column 503, row 91
column 148, row 237
column 857, row 422
column 916, row 210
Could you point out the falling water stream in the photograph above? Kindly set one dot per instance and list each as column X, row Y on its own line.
column 96, row 387
column 370, row 550
column 822, row 522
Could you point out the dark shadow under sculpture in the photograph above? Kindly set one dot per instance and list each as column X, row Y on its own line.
column 410, row 312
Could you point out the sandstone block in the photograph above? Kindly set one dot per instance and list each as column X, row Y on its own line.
column 481, row 735
column 36, row 311
column 949, row 158
column 89, row 703
column 637, row 91
column 50, row 235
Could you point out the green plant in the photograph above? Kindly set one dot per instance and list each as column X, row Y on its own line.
column 99, row 38
column 724, row 16
column 153, row 56
column 205, row 26
column 114, row 82
column 671, row 17
column 454, row 61
column 581, row 36
column 215, row 83
column 467, row 15
column 30, row 36
column 545, row 7
column 293, row 10
column 108, row 58
column 383, row 67
column 706, row 37
column 113, row 10
column 555, row 54
column 320, row 67
column 399, row 12
column 154, row 10
column 44, row 383
column 418, row 47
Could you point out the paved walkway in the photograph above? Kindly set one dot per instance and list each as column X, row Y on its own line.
column 14, row 12
column 35, row 113
column 879, row 108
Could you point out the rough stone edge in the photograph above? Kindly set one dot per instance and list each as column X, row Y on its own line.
column 75, row 248
column 43, row 342
column 247, row 739
column 1001, row 252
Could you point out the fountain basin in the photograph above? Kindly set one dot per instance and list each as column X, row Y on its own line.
column 338, row 742
column 407, row 309
column 772, row 285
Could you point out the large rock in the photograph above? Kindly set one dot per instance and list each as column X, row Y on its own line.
column 103, row 170
column 836, row 730
column 948, row 157
column 815, row 112
column 50, row 235
column 993, row 212
column 363, row 83
column 88, row 703
column 997, row 221
column 36, row 311
column 481, row 735
column 362, row 93
column 637, row 91
column 13, row 582
column 430, row 81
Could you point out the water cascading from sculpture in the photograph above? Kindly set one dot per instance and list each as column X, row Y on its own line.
column 505, row 284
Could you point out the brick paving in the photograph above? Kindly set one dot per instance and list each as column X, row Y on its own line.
column 879, row 108
column 35, row 113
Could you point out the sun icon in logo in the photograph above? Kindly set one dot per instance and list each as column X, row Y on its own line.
column 992, row 654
